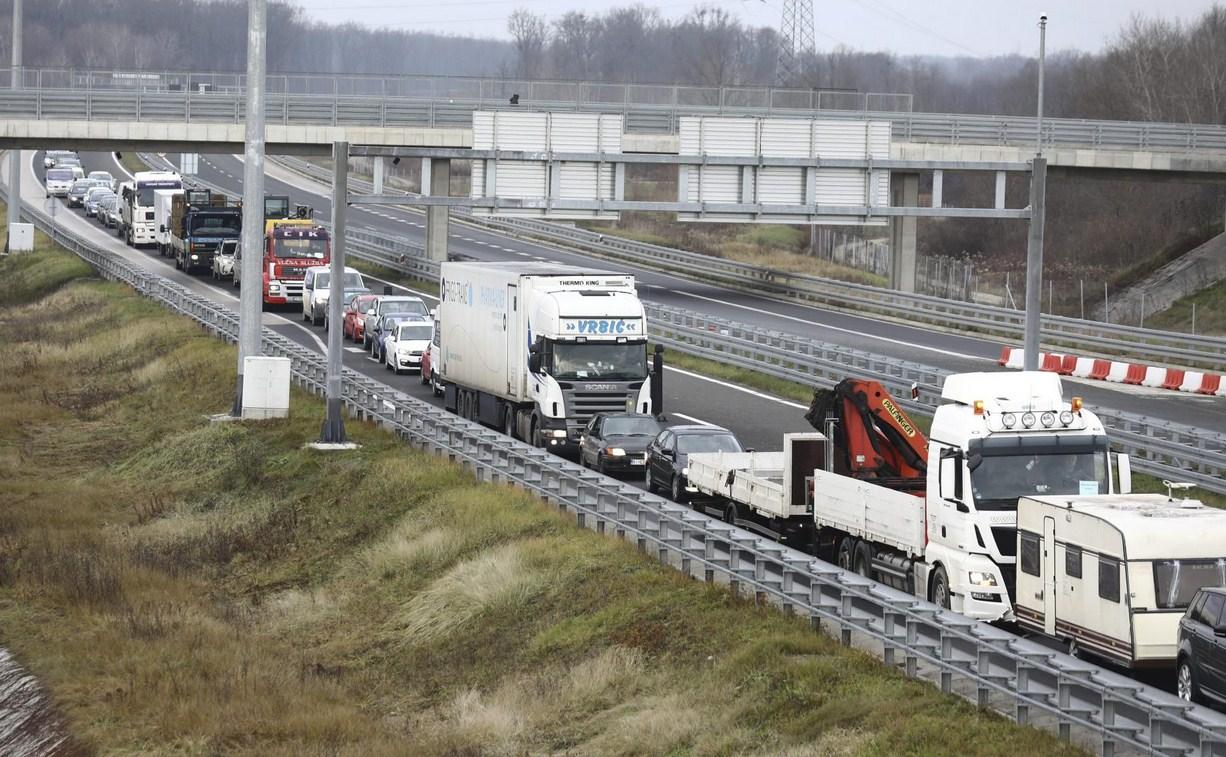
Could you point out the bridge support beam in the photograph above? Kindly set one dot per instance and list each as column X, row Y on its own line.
column 904, row 192
column 380, row 165
column 436, row 182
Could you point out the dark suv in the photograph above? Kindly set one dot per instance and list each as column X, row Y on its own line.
column 1201, row 670
column 668, row 456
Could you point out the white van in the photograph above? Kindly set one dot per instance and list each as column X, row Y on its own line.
column 1113, row 574
column 315, row 290
column 59, row 180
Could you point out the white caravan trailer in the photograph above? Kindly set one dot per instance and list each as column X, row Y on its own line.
column 1113, row 574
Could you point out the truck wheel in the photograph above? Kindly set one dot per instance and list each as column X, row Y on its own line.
column 315, row 320
column 436, row 386
column 846, row 557
column 730, row 514
column 1185, row 682
column 534, row 434
column 508, row 419
column 864, row 560
column 940, row 588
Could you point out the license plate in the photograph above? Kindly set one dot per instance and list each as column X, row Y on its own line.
column 639, row 461
column 291, row 298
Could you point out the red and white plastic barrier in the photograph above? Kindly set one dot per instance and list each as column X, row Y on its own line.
column 1118, row 372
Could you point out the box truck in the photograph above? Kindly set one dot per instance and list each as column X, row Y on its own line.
column 946, row 529
column 163, row 208
column 537, row 349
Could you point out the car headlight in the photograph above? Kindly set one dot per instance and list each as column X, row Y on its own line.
column 980, row 578
column 615, row 451
column 685, row 471
column 559, row 433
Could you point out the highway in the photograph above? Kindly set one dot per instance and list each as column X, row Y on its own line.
column 951, row 352
column 758, row 420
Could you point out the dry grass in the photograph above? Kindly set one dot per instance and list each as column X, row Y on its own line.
column 182, row 587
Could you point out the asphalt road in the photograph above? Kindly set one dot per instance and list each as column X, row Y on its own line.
column 950, row 352
column 757, row 419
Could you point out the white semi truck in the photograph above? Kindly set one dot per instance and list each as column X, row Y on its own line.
column 537, row 349
column 949, row 534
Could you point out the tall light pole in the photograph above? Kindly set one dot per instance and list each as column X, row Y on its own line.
column 333, row 431
column 14, row 212
column 251, row 295
column 1034, row 240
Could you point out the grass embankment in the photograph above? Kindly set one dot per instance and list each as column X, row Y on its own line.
column 1210, row 312
column 131, row 161
column 396, row 277
column 187, row 587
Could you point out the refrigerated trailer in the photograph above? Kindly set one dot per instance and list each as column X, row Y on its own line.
column 537, row 349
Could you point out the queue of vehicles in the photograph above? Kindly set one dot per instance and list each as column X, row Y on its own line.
column 1012, row 509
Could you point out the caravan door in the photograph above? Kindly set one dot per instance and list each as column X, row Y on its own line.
column 1049, row 576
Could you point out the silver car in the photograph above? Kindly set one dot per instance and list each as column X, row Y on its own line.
column 92, row 196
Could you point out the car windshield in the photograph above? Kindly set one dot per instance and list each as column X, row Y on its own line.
column 59, row 174
column 715, row 442
column 415, row 307
column 999, row 480
column 603, row 360
column 97, row 193
column 414, row 332
column 351, row 280
column 100, row 175
column 217, row 223
column 625, row 426
column 301, row 247
column 109, row 201
column 1177, row 581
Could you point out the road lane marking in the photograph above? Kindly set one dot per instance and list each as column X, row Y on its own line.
column 737, row 387
column 861, row 334
column 692, row 419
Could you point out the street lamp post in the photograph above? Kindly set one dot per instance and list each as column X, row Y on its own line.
column 1034, row 240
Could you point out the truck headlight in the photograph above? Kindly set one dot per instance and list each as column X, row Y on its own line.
column 685, row 471
column 274, row 288
column 615, row 451
column 980, row 578
column 195, row 257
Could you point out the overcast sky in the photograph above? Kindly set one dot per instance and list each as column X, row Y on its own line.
column 938, row 27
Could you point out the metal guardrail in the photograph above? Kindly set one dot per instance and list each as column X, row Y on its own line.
column 352, row 107
column 992, row 668
column 1087, row 337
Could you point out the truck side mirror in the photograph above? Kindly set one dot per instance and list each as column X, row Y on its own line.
column 973, row 461
column 534, row 362
column 951, row 473
column 1123, row 464
column 162, row 228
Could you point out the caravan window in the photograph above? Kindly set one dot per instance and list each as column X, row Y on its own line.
column 1072, row 562
column 1030, row 554
column 1177, row 581
column 1109, row 579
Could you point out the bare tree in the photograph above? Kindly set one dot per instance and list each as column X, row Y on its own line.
column 573, row 47
column 530, row 34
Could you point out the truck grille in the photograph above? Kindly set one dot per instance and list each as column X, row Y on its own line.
column 1006, row 540
column 587, row 404
column 1009, row 574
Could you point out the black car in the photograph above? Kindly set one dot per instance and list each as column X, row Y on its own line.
column 668, row 455
column 76, row 193
column 1201, row 668
column 617, row 442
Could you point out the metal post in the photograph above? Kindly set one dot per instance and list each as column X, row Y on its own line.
column 252, row 295
column 1083, row 299
column 1042, row 63
column 1141, row 324
column 14, row 207
column 657, row 382
column 1034, row 263
column 1106, row 305
column 334, row 422
column 1193, row 319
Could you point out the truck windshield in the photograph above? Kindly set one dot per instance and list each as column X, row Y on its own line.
column 301, row 248
column 59, row 174
column 999, row 480
column 603, row 360
column 1177, row 581
column 217, row 224
column 144, row 193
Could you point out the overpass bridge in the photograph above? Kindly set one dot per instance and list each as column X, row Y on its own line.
column 306, row 115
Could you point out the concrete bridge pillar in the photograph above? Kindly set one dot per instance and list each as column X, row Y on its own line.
column 436, row 182
column 904, row 192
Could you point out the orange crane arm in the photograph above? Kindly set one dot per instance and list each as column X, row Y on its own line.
column 874, row 439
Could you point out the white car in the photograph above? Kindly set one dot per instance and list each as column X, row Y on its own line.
column 103, row 176
column 390, row 304
column 52, row 157
column 403, row 347
column 316, row 290
column 223, row 261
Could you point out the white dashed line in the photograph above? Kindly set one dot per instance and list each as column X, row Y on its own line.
column 692, row 419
